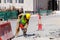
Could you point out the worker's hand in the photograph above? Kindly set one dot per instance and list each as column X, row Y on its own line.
column 26, row 26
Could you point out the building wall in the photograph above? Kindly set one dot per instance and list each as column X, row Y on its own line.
column 42, row 4
column 58, row 1
column 34, row 5
column 27, row 5
column 37, row 4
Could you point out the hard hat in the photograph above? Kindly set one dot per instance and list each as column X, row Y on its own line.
column 28, row 15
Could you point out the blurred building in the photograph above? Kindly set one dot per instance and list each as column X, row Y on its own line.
column 27, row 5
column 52, row 5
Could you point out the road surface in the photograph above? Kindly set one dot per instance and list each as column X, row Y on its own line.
column 50, row 28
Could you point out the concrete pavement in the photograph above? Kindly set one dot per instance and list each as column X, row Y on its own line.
column 50, row 28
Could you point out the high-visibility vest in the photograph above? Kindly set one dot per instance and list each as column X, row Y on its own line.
column 22, row 20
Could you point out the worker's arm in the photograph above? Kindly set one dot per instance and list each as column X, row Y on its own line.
column 20, row 15
column 26, row 25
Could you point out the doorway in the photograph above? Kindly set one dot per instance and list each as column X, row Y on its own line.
column 52, row 5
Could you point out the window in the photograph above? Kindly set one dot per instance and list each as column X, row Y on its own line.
column 4, row 1
column 0, row 1
column 19, row 1
column 10, row 1
column 16, row 1
column 7, row 1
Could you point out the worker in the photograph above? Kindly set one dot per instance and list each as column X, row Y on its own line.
column 22, row 23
